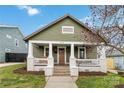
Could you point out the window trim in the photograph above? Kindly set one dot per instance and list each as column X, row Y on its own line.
column 84, row 52
column 68, row 27
column 45, row 47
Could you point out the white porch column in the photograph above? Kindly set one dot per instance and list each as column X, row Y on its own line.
column 50, row 66
column 73, row 67
column 50, row 50
column 30, row 65
column 102, row 58
column 30, row 50
column 72, row 51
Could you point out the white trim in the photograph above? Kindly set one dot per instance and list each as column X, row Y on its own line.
column 30, row 50
column 62, row 42
column 84, row 51
column 45, row 53
column 8, row 26
column 58, row 54
column 72, row 27
column 45, row 50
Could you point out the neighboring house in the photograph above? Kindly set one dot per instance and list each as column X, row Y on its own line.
column 115, row 59
column 65, row 42
column 12, row 46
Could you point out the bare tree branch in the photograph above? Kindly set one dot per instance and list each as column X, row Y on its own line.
column 109, row 22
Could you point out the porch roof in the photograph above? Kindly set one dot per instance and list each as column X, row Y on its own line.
column 63, row 42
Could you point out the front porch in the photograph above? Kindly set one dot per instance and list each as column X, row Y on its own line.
column 80, row 56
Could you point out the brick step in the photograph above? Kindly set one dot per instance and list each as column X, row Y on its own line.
column 61, row 67
column 61, row 74
column 61, row 71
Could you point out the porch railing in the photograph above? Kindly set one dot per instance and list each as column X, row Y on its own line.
column 40, row 61
column 87, row 62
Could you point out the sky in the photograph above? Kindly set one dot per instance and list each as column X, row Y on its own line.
column 30, row 18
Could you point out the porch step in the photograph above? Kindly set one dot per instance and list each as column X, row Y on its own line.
column 61, row 71
column 61, row 74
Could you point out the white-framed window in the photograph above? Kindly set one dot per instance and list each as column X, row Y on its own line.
column 68, row 29
column 7, row 50
column 8, row 36
column 46, row 51
column 81, row 52
column 16, row 42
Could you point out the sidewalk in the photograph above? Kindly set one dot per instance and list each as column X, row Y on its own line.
column 9, row 64
column 61, row 82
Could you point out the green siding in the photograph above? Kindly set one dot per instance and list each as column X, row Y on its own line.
column 54, row 33
column 38, row 52
column 91, row 52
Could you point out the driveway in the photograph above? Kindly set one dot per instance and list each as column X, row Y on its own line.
column 9, row 64
column 61, row 82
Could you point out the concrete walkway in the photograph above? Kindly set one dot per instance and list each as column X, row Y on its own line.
column 61, row 82
column 9, row 64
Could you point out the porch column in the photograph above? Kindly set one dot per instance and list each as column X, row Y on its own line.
column 72, row 63
column 72, row 51
column 30, row 50
column 30, row 65
column 102, row 57
column 50, row 66
column 50, row 50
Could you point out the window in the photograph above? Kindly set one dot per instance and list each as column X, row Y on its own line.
column 16, row 42
column 8, row 36
column 7, row 50
column 46, row 51
column 68, row 29
column 81, row 52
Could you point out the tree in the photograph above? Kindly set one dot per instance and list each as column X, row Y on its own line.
column 108, row 23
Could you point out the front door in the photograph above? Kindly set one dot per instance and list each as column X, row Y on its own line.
column 61, row 56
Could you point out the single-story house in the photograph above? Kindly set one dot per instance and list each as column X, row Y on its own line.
column 12, row 46
column 65, row 42
column 115, row 59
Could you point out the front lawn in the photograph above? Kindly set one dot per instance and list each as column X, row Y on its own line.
column 8, row 79
column 108, row 81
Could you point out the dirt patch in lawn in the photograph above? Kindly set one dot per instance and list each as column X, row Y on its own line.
column 23, row 70
column 119, row 86
column 92, row 74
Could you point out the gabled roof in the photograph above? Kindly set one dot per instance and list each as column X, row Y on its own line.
column 11, row 27
column 56, row 21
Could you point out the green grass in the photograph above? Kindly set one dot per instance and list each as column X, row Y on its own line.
column 108, row 81
column 8, row 79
